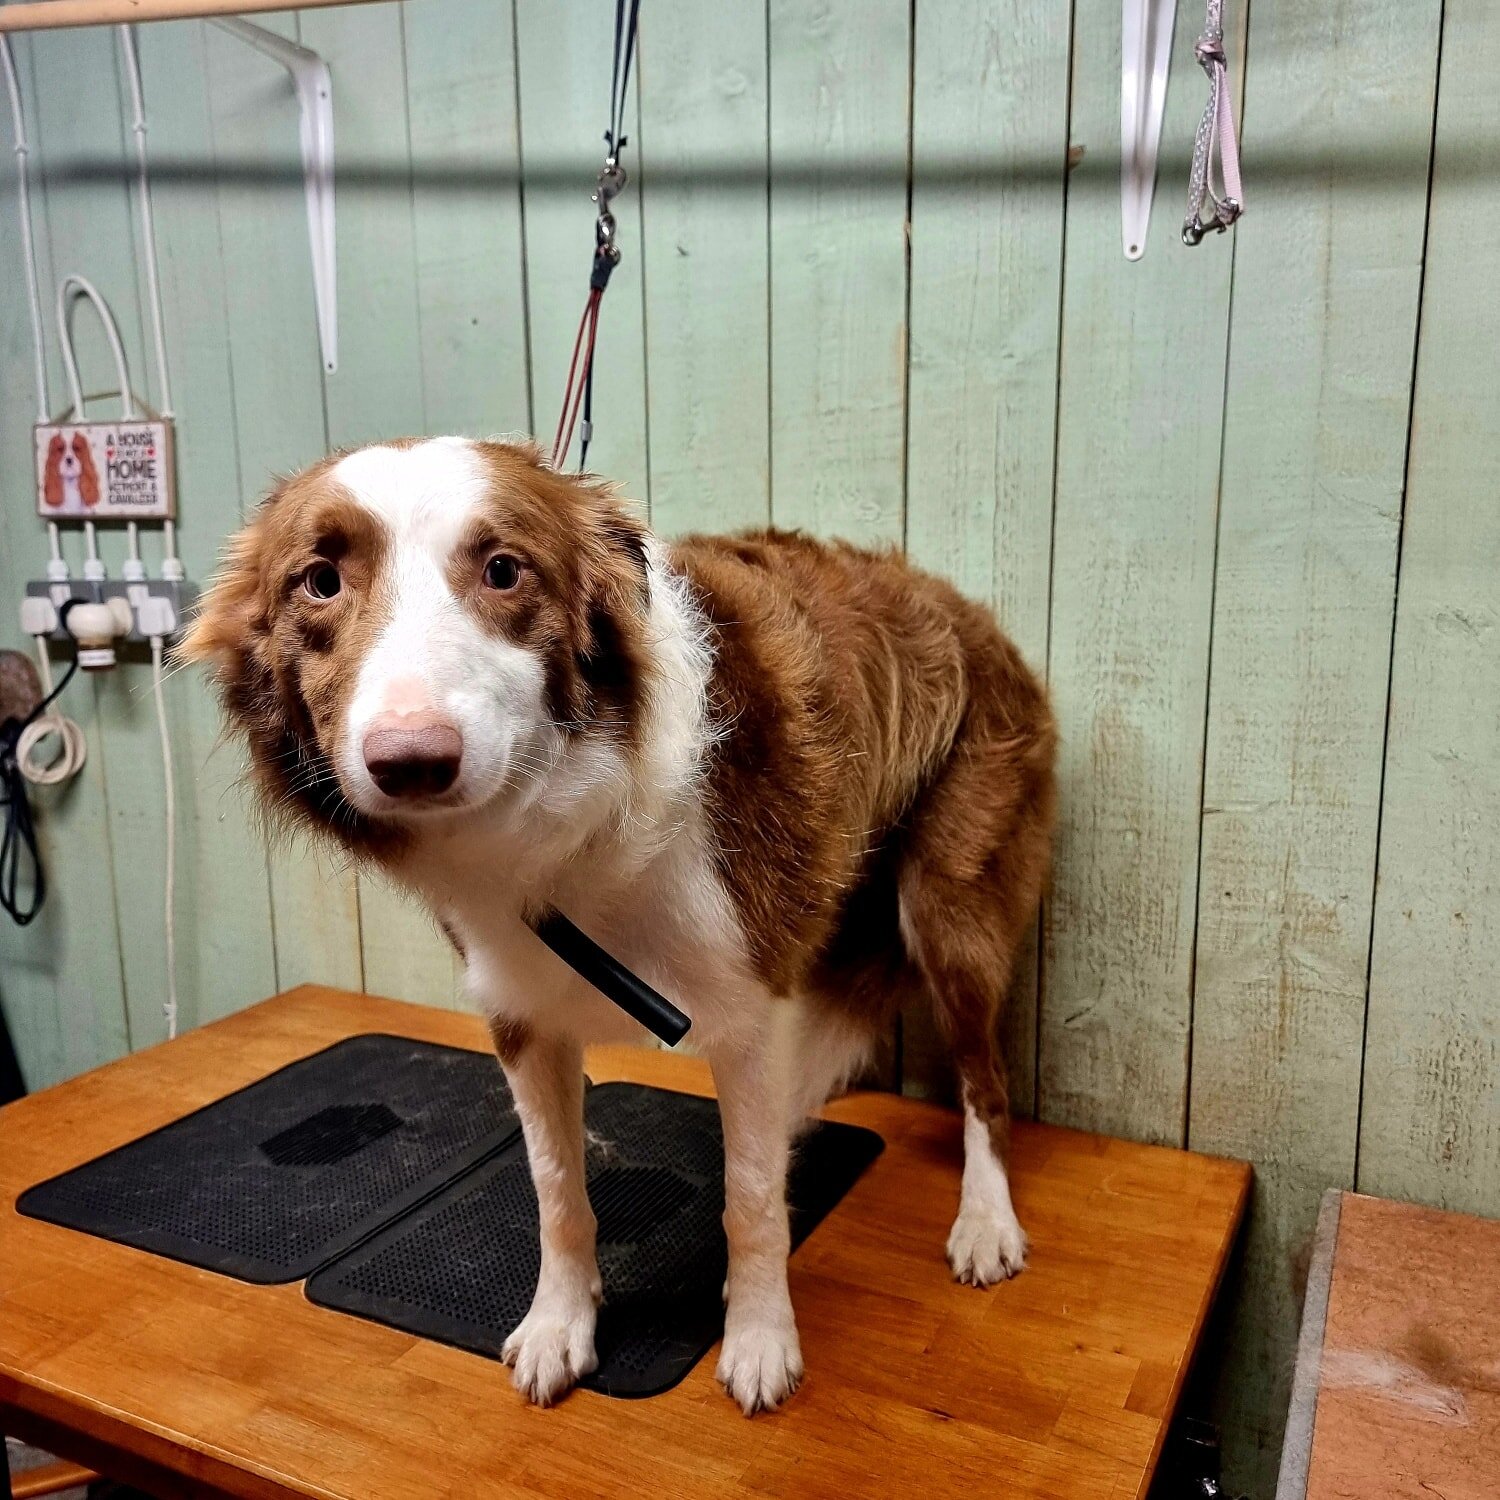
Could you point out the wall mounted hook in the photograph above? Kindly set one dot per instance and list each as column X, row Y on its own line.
column 1145, row 60
column 314, row 85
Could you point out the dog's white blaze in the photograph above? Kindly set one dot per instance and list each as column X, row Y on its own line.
column 433, row 655
column 425, row 494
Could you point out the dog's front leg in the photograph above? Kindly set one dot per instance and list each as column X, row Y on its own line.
column 761, row 1360
column 553, row 1346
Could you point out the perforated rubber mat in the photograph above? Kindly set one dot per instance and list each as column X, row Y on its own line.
column 461, row 1267
column 270, row 1182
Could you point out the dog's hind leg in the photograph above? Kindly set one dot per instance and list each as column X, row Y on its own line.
column 970, row 885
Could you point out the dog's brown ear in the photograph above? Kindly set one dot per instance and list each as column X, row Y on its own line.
column 624, row 536
column 612, row 655
column 231, row 618
column 223, row 624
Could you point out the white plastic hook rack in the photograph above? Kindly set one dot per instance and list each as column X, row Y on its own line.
column 1145, row 59
column 314, row 85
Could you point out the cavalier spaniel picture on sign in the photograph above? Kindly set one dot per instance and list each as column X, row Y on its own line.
column 71, row 481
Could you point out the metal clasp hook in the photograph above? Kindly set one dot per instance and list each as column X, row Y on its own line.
column 610, row 185
column 1195, row 231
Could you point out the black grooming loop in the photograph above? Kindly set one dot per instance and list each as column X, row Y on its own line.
column 579, row 392
column 19, row 837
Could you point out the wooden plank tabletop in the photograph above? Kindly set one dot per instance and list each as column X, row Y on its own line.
column 1398, row 1373
column 1055, row 1385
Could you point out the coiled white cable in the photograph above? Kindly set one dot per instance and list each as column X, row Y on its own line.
column 71, row 750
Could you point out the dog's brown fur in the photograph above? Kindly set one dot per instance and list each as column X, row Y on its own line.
column 881, row 796
column 889, row 766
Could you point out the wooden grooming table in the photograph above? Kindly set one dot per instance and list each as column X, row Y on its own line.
column 1058, row 1384
column 1397, row 1393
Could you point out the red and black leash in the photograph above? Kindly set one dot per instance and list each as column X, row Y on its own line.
column 578, row 397
column 576, row 949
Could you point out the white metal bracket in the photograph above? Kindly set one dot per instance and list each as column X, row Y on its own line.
column 314, row 86
column 1145, row 59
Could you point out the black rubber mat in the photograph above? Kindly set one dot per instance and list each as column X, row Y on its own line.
column 461, row 1267
column 272, row 1181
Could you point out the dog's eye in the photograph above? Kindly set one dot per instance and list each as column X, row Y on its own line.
column 322, row 581
column 502, row 572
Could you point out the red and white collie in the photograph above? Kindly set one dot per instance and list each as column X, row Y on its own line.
column 786, row 781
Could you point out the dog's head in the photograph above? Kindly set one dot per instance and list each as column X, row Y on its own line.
column 424, row 629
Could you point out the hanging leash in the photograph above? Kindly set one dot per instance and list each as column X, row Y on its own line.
column 576, row 949
column 1215, row 134
column 578, row 395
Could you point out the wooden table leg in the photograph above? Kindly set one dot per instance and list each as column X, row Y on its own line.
column 51, row 1479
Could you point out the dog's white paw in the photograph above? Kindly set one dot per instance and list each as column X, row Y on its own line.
column 760, row 1365
column 551, row 1349
column 986, row 1245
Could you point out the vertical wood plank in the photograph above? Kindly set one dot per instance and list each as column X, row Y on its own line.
column 989, row 155
column 85, row 228
column 1430, row 1128
column 222, row 964
column 29, row 956
column 564, row 55
column 704, row 189
column 1139, row 413
column 989, row 152
column 838, row 133
column 1327, row 271
column 466, row 215
column 471, row 324
column 279, row 422
column 377, row 391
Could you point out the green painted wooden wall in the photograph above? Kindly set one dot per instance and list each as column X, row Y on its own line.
column 1238, row 502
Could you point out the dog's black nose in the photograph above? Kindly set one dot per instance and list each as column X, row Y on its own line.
column 413, row 755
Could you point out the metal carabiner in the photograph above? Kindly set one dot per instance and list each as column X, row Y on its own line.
column 611, row 182
column 1195, row 231
column 610, row 185
column 604, row 235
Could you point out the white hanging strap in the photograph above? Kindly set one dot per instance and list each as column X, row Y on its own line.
column 1216, row 135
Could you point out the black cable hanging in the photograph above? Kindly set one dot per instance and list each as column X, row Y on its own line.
column 19, row 838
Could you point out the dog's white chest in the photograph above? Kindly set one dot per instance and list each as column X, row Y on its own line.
column 671, row 922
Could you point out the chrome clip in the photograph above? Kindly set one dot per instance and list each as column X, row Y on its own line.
column 610, row 185
column 1195, row 231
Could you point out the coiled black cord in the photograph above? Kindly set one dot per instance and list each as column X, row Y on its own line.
column 18, row 843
